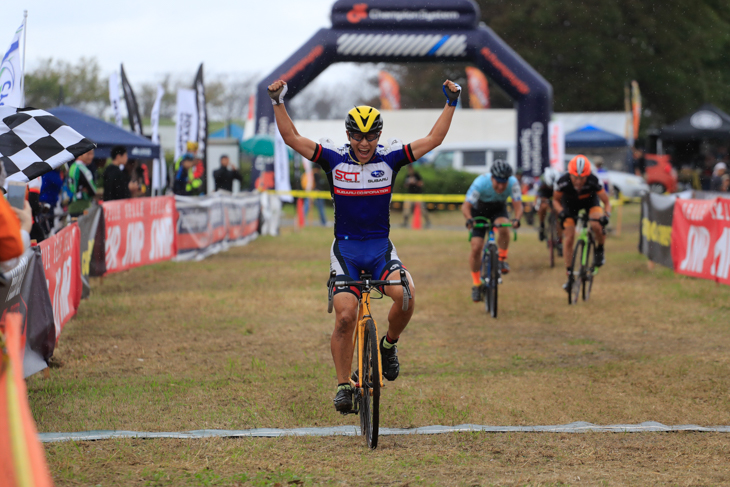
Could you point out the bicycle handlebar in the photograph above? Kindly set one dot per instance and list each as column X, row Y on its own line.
column 485, row 223
column 369, row 283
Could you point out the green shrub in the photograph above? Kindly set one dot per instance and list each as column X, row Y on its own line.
column 438, row 181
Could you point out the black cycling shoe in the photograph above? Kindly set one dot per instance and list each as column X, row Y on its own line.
column 600, row 258
column 504, row 266
column 343, row 399
column 391, row 367
column 541, row 234
column 476, row 293
column 559, row 248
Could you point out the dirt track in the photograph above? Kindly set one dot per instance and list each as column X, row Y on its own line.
column 241, row 340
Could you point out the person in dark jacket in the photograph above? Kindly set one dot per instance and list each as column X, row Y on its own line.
column 184, row 178
column 117, row 185
column 224, row 175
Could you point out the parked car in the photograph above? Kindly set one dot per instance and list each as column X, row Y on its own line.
column 660, row 175
column 473, row 157
column 627, row 184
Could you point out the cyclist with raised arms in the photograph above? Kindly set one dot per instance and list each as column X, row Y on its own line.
column 577, row 190
column 361, row 175
column 487, row 197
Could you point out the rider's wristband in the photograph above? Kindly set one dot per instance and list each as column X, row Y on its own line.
column 277, row 97
column 452, row 97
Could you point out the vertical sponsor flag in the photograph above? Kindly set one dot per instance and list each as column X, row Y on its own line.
column 22, row 459
column 159, row 174
column 478, row 88
column 202, row 135
column 186, row 120
column 135, row 121
column 636, row 107
column 281, row 166
column 389, row 91
column 557, row 146
column 11, row 71
column 114, row 98
column 250, row 129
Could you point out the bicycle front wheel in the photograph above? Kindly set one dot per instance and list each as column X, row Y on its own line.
column 370, row 383
column 493, row 280
column 552, row 239
column 587, row 270
column 575, row 278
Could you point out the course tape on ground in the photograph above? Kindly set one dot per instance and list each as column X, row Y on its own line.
column 577, row 427
column 427, row 198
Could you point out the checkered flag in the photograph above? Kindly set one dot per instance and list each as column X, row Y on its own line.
column 33, row 142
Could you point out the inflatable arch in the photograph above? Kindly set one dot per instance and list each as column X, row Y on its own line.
column 419, row 31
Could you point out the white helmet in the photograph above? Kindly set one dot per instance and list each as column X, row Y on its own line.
column 550, row 176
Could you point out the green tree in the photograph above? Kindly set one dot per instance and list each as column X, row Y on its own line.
column 78, row 85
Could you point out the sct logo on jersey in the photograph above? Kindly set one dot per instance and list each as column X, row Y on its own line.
column 348, row 177
column 377, row 174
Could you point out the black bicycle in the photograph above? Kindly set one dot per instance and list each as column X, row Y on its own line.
column 580, row 281
column 369, row 364
column 491, row 273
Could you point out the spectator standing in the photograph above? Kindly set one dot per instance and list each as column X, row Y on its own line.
column 602, row 174
column 136, row 175
column 81, row 184
column 184, row 178
column 414, row 185
column 117, row 185
column 639, row 162
column 717, row 173
column 224, row 175
column 15, row 226
column 312, row 181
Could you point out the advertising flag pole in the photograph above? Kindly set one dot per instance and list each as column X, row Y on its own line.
column 25, row 31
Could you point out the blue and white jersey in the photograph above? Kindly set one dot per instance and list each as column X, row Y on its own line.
column 361, row 192
column 481, row 190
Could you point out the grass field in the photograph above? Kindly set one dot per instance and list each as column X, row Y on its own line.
column 241, row 340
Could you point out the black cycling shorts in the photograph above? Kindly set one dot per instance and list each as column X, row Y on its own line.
column 487, row 210
column 545, row 191
column 573, row 206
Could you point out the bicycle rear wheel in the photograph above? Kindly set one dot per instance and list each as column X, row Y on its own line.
column 370, row 382
column 587, row 270
column 575, row 283
column 493, row 280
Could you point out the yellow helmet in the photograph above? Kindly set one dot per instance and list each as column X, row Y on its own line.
column 363, row 119
column 192, row 146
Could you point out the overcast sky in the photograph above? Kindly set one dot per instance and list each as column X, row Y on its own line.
column 153, row 37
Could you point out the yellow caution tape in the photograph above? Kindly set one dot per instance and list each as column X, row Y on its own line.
column 426, row 198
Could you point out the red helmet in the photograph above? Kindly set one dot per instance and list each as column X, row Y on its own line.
column 579, row 166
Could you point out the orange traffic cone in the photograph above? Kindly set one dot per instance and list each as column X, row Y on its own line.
column 416, row 215
column 300, row 213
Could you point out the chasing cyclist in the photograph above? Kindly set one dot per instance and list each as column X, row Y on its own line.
column 361, row 175
column 487, row 197
column 545, row 188
column 577, row 190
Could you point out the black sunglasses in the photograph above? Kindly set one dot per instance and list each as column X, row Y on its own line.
column 369, row 138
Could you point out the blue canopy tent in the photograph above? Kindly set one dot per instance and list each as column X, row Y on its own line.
column 106, row 135
column 590, row 136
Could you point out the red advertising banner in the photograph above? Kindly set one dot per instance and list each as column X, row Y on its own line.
column 61, row 257
column 701, row 238
column 139, row 231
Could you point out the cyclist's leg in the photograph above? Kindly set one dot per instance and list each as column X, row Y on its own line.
column 345, row 303
column 476, row 245
column 389, row 268
column 595, row 213
column 499, row 215
column 568, row 237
